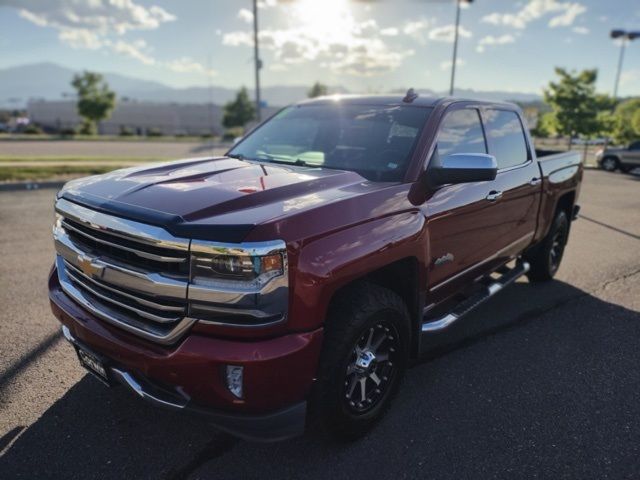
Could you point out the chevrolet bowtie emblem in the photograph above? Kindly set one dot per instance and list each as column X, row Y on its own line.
column 88, row 267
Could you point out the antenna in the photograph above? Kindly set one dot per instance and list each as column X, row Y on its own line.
column 410, row 96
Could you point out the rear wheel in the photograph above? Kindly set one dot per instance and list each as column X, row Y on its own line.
column 610, row 164
column 545, row 258
column 365, row 355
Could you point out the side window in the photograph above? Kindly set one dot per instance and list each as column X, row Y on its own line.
column 461, row 132
column 506, row 138
column 634, row 146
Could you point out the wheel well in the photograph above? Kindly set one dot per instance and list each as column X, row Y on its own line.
column 401, row 277
column 565, row 202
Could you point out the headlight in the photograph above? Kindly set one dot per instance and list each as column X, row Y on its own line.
column 250, row 264
column 244, row 285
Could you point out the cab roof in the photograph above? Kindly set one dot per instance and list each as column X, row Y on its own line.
column 397, row 99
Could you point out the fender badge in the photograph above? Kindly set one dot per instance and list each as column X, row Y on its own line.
column 444, row 259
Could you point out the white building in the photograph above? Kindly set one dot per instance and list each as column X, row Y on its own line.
column 138, row 117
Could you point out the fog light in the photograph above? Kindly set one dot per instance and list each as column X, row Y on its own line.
column 234, row 380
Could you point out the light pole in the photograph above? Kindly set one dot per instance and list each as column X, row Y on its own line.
column 624, row 37
column 455, row 45
column 256, row 56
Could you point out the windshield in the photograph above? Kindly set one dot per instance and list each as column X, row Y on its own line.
column 374, row 141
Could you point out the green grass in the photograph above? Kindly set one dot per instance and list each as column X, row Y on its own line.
column 21, row 137
column 78, row 158
column 17, row 174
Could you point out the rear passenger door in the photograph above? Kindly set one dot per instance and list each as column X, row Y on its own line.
column 517, row 187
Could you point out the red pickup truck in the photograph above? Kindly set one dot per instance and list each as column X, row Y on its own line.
column 295, row 278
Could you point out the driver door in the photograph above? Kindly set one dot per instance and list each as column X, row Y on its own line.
column 461, row 218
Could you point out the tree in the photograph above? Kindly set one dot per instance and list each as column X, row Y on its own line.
column 95, row 100
column 574, row 103
column 627, row 121
column 240, row 111
column 545, row 126
column 635, row 122
column 318, row 90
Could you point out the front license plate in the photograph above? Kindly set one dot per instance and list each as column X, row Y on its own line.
column 93, row 364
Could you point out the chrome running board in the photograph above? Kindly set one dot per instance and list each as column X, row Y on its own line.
column 470, row 303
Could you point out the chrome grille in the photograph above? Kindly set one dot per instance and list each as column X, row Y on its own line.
column 130, row 274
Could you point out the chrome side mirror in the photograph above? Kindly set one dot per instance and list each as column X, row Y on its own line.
column 463, row 168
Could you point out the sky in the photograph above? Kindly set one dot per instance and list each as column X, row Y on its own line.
column 364, row 46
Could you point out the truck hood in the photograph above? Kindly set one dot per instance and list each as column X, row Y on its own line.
column 213, row 198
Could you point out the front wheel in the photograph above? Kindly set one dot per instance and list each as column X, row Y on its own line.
column 545, row 258
column 365, row 355
column 609, row 164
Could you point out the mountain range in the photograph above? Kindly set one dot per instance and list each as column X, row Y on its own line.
column 51, row 81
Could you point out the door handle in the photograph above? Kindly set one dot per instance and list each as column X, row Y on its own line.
column 535, row 181
column 494, row 195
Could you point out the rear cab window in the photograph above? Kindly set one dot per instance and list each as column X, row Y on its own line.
column 506, row 138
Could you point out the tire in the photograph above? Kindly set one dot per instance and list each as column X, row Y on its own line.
column 360, row 318
column 610, row 164
column 545, row 258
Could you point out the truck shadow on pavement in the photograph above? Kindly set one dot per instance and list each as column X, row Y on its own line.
column 540, row 381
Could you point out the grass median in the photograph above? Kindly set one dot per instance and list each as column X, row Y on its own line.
column 39, row 168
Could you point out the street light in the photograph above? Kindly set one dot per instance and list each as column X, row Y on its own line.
column 455, row 45
column 256, row 56
column 624, row 36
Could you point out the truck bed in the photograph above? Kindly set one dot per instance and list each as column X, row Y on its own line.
column 551, row 161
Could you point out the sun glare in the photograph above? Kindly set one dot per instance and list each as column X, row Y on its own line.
column 326, row 17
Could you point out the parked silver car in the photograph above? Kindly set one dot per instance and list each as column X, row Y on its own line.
column 623, row 159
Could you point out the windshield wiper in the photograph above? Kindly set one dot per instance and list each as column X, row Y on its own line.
column 237, row 156
column 298, row 163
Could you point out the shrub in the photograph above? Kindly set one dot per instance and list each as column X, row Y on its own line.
column 67, row 132
column 126, row 131
column 32, row 129
column 232, row 133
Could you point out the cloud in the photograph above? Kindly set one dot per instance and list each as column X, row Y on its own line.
column 390, row 32
column 630, row 77
column 135, row 50
column 188, row 65
column 238, row 39
column 103, row 25
column 81, row 38
column 100, row 16
column 447, row 33
column 490, row 40
column 580, row 30
column 338, row 43
column 417, row 30
column 567, row 18
column 447, row 64
column 246, row 15
column 566, row 13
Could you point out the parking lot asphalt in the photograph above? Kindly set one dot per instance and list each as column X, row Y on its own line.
column 543, row 381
